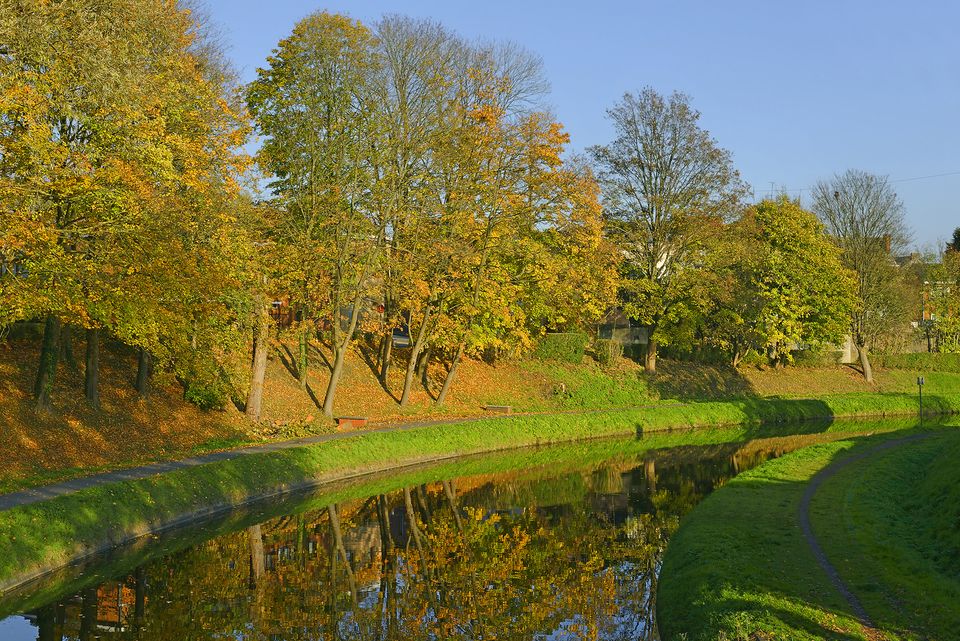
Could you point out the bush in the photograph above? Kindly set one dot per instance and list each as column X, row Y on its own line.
column 608, row 352
column 753, row 358
column 924, row 361
column 568, row 347
column 207, row 395
column 817, row 357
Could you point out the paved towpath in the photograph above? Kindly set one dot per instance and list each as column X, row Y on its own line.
column 62, row 488
column 805, row 525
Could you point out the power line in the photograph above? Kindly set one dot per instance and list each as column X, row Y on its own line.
column 898, row 180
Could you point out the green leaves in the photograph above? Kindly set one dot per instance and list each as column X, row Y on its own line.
column 789, row 288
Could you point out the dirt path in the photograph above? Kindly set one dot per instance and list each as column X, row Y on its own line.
column 805, row 525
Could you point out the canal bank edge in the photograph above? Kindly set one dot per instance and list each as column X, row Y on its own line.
column 722, row 579
column 39, row 538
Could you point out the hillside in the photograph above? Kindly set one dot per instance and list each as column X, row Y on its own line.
column 74, row 439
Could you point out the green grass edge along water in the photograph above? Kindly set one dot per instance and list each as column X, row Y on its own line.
column 46, row 535
column 739, row 567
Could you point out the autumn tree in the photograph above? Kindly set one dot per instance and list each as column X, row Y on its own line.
column 419, row 60
column 789, row 288
column 864, row 216
column 100, row 162
column 954, row 244
column 313, row 106
column 480, row 169
column 667, row 185
column 112, row 132
column 941, row 291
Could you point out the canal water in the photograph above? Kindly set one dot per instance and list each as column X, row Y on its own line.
column 553, row 544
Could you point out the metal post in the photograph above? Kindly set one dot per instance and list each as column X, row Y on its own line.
column 920, row 382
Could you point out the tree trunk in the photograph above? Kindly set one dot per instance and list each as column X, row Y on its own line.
column 261, row 345
column 650, row 365
column 414, row 357
column 140, row 596
column 383, row 514
column 386, row 353
column 412, row 524
column 258, row 564
column 143, row 372
column 91, row 372
column 865, row 362
column 451, row 495
column 422, row 502
column 341, row 548
column 47, row 370
column 303, row 363
column 451, row 375
column 47, row 623
column 66, row 347
column 340, row 350
column 88, row 614
column 423, row 367
column 341, row 356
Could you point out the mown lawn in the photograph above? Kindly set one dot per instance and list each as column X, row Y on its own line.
column 893, row 523
column 739, row 567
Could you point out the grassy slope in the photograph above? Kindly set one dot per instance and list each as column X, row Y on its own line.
column 74, row 440
column 896, row 537
column 38, row 448
column 518, row 464
column 47, row 534
column 877, row 520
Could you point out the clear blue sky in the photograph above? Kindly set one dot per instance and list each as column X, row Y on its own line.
column 796, row 91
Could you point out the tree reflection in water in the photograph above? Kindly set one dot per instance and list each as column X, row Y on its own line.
column 575, row 556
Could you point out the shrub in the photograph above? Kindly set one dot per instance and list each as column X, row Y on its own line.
column 753, row 358
column 212, row 395
column 608, row 352
column 568, row 347
column 817, row 357
column 933, row 362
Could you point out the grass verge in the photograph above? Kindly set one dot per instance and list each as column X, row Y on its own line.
column 896, row 538
column 740, row 569
column 42, row 536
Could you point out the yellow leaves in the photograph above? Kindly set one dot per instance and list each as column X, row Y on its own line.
column 488, row 115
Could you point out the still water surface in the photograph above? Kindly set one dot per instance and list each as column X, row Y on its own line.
column 549, row 547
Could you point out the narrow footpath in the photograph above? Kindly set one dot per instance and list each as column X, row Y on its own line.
column 42, row 493
column 805, row 525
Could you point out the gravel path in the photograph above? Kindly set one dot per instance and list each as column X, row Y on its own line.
column 805, row 525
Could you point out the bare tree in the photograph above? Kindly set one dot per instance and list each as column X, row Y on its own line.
column 666, row 184
column 865, row 217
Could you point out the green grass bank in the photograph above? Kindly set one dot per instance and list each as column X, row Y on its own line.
column 42, row 536
column 739, row 568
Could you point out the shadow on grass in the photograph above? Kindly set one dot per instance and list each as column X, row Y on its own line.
column 288, row 361
column 740, row 560
column 685, row 381
column 367, row 353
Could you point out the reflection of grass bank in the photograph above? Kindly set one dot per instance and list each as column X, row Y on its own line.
column 520, row 470
column 48, row 534
column 739, row 567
